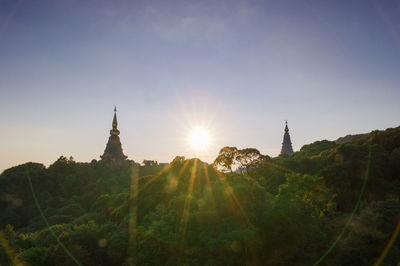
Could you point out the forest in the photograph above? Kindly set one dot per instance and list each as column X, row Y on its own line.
column 328, row 204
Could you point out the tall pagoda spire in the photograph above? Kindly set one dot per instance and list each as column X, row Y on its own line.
column 113, row 151
column 287, row 144
column 115, row 122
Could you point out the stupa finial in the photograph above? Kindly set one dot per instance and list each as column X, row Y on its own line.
column 115, row 122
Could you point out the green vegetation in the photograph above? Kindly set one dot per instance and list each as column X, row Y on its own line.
column 337, row 204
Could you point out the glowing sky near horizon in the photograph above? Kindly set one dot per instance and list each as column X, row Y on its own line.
column 241, row 68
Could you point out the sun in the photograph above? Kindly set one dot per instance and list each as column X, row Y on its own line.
column 199, row 138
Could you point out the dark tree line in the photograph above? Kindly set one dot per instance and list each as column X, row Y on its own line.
column 279, row 211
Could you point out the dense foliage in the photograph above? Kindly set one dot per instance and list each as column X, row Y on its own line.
column 333, row 204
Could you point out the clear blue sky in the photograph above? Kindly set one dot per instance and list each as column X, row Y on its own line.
column 242, row 68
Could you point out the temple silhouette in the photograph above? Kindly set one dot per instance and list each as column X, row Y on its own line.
column 113, row 151
column 287, row 144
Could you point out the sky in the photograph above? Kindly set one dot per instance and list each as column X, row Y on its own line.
column 238, row 68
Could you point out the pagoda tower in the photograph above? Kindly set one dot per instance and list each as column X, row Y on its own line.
column 287, row 144
column 113, row 151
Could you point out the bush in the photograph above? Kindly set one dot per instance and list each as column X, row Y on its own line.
column 32, row 256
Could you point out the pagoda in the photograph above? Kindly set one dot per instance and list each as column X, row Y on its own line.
column 113, row 151
column 287, row 144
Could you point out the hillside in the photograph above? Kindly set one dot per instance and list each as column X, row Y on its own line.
column 351, row 138
column 282, row 211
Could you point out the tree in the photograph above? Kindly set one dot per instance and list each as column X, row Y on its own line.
column 230, row 158
column 225, row 159
column 250, row 158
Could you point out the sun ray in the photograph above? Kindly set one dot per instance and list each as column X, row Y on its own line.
column 8, row 250
column 236, row 204
column 134, row 190
column 183, row 169
column 135, row 193
column 237, row 207
column 154, row 178
column 186, row 208
column 209, row 187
